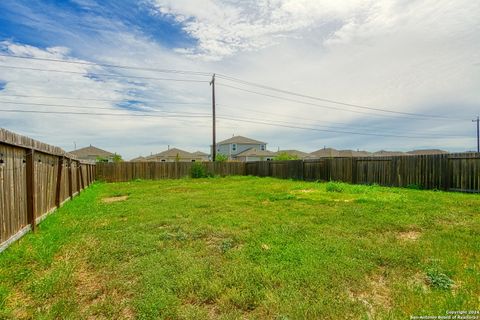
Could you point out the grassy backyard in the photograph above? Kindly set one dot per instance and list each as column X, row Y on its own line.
column 244, row 247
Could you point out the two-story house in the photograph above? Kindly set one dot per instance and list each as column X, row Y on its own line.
column 238, row 144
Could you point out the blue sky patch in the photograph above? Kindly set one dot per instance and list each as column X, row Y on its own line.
column 73, row 23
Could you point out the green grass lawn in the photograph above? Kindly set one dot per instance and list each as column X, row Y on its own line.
column 244, row 247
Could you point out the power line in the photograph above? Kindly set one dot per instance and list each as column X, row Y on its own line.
column 108, row 65
column 273, row 122
column 228, row 78
column 104, row 74
column 95, row 99
column 324, row 106
column 96, row 107
column 221, row 117
column 103, row 114
column 334, row 124
column 332, row 131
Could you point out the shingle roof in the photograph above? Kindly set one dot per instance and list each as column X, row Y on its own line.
column 173, row 152
column 353, row 153
column 253, row 152
column 200, row 153
column 138, row 159
column 383, row 153
column 91, row 151
column 427, row 151
column 326, row 152
column 240, row 140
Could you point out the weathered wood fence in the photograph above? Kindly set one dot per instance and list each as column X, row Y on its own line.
column 126, row 171
column 454, row 172
column 450, row 172
column 35, row 179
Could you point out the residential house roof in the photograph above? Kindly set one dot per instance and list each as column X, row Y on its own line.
column 427, row 151
column 200, row 153
column 91, row 151
column 138, row 159
column 253, row 152
column 384, row 153
column 171, row 153
column 326, row 152
column 353, row 153
column 240, row 140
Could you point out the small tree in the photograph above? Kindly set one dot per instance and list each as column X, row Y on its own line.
column 198, row 171
column 285, row 156
column 220, row 157
column 117, row 158
column 101, row 159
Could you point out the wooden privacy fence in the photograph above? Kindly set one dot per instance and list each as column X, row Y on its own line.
column 450, row 172
column 126, row 171
column 35, row 179
column 454, row 172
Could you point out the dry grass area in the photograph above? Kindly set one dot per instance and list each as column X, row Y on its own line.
column 247, row 248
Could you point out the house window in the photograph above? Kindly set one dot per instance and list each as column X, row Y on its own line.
column 234, row 147
column 163, row 160
column 193, row 160
column 262, row 147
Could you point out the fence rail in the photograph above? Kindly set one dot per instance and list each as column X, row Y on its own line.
column 35, row 179
column 455, row 172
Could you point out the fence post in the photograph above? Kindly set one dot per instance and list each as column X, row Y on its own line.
column 446, row 173
column 78, row 178
column 30, row 174
column 59, row 182
column 70, row 179
column 82, row 182
column 354, row 170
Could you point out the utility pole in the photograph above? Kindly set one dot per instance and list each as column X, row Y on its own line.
column 214, row 143
column 478, row 132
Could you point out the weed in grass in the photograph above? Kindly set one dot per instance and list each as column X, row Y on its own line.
column 334, row 187
column 226, row 245
column 439, row 280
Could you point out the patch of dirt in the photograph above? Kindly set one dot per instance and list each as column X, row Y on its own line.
column 411, row 235
column 114, row 199
column 375, row 296
column 265, row 247
column 306, row 190
column 92, row 290
column 419, row 280
column 19, row 302
column 343, row 200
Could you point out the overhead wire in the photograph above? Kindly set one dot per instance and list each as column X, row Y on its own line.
column 221, row 117
column 108, row 65
column 233, row 79
column 333, row 124
column 329, row 107
column 104, row 74
column 326, row 130
column 97, row 99
column 98, row 107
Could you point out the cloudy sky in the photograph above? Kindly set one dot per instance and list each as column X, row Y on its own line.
column 394, row 75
